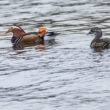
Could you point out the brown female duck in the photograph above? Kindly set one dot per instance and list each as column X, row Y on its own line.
column 97, row 42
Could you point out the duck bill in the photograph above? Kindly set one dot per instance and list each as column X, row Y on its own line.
column 7, row 31
column 89, row 33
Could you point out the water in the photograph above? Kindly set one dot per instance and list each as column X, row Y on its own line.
column 61, row 74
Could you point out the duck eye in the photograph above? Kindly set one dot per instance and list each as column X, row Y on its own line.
column 95, row 29
column 92, row 30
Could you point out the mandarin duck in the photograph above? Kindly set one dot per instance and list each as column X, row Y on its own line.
column 97, row 42
column 19, row 35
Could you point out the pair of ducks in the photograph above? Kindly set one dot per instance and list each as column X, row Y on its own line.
column 19, row 36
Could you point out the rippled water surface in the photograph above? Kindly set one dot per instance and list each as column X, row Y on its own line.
column 60, row 74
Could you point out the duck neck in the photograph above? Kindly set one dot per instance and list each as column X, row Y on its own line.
column 98, row 35
column 13, row 39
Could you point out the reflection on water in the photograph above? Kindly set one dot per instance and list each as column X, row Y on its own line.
column 60, row 74
column 23, row 45
column 39, row 45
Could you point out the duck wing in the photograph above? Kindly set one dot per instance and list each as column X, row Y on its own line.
column 28, row 37
column 51, row 34
column 99, row 44
column 31, row 33
column 107, row 40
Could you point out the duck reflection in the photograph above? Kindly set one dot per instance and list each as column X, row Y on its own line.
column 100, row 49
column 39, row 45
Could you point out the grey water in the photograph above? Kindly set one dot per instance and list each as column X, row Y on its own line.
column 60, row 74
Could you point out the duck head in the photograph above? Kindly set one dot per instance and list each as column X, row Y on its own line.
column 17, row 33
column 9, row 30
column 96, row 31
column 42, row 31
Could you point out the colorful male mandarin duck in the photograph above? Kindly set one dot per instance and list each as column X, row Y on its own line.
column 97, row 42
column 20, row 36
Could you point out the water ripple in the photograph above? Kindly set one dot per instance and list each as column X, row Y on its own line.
column 62, row 74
